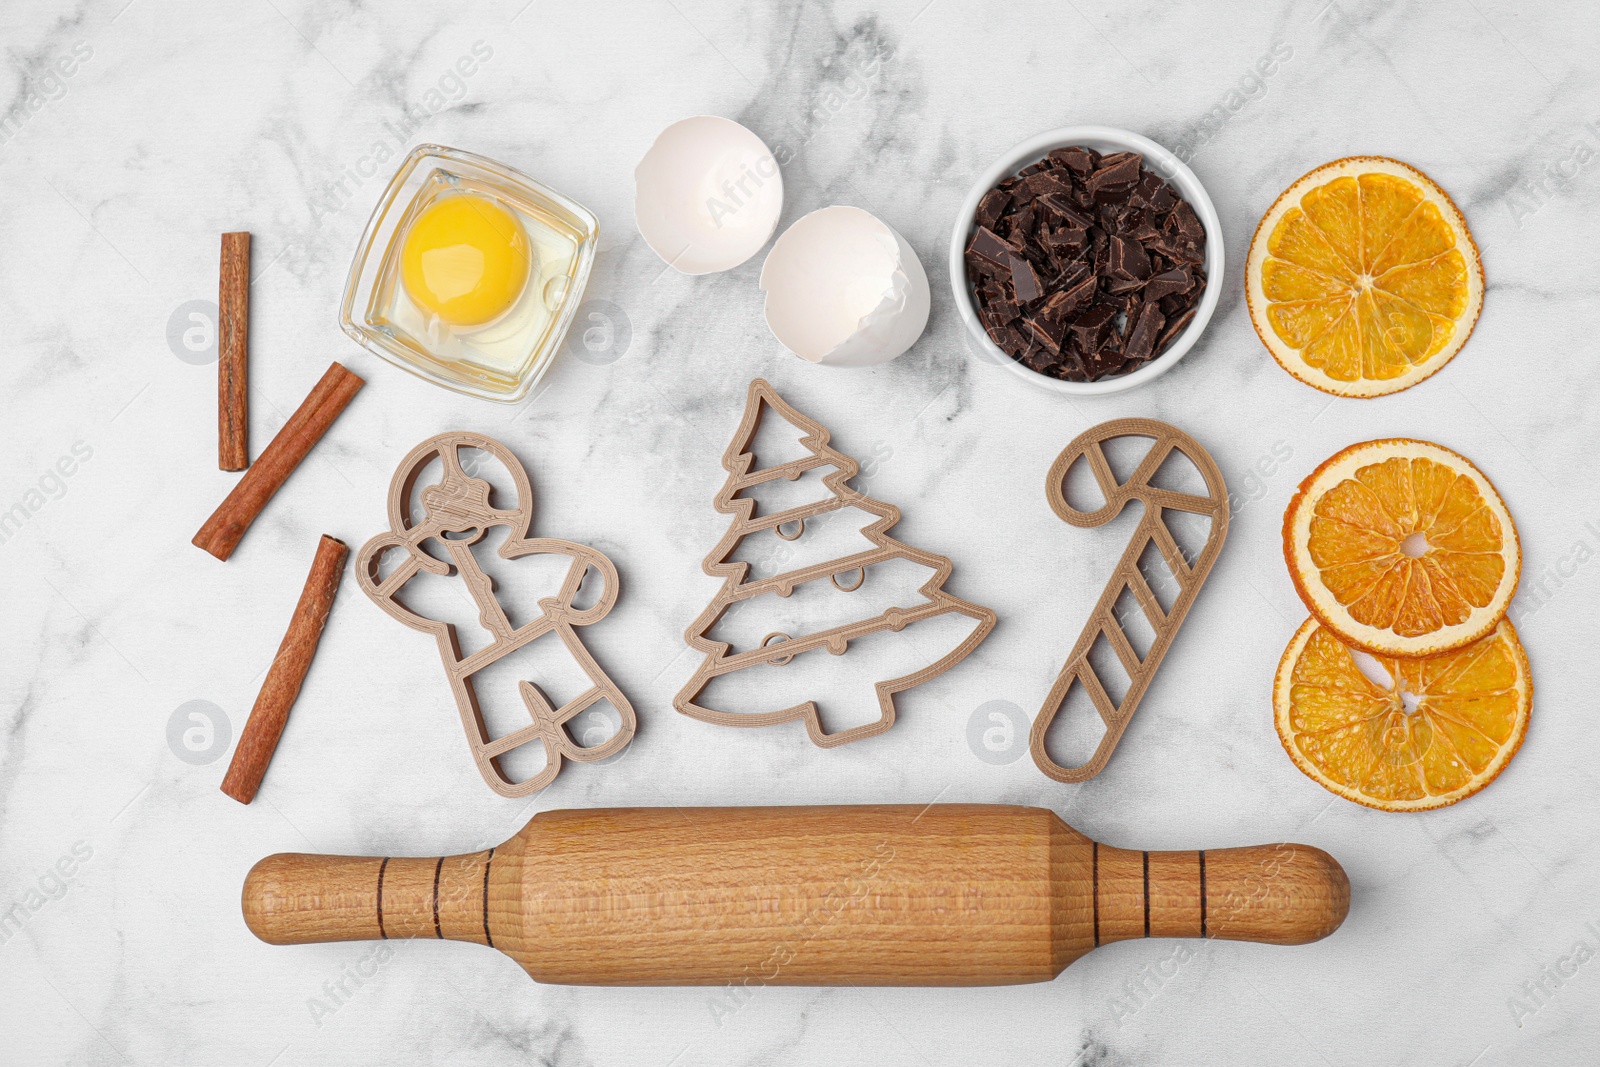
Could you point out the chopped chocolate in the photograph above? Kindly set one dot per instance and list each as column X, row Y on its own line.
column 1175, row 327
column 1142, row 341
column 999, row 313
column 1118, row 158
column 1085, row 266
column 1045, row 183
column 1080, row 161
column 1021, row 223
column 1118, row 172
column 1127, row 258
column 988, row 245
column 1068, row 240
column 1186, row 221
column 1064, row 207
column 1100, row 363
column 1045, row 330
column 1168, row 283
column 1133, row 304
column 1177, row 249
column 994, row 202
column 1068, row 302
column 1024, row 282
column 1090, row 328
column 1041, row 360
column 1154, row 193
column 1139, row 225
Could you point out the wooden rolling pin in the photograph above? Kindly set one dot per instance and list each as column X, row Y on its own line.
column 954, row 894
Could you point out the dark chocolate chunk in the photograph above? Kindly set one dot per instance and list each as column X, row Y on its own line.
column 1127, row 259
column 986, row 244
column 1174, row 328
column 1041, row 360
column 1045, row 330
column 1168, row 283
column 1186, row 221
column 1064, row 207
column 1073, row 273
column 979, row 268
column 1118, row 172
column 1115, row 158
column 998, row 313
column 1177, row 248
column 1154, row 192
column 1019, row 224
column 1080, row 161
column 1075, row 299
column 1142, row 341
column 1024, row 282
column 1130, row 312
column 992, row 206
column 1071, row 367
column 1068, row 240
column 1089, row 329
column 1045, row 183
column 1098, row 364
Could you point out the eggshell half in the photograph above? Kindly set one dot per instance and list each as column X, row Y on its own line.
column 844, row 289
column 707, row 195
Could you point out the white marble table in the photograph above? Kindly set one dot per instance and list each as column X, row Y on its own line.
column 180, row 121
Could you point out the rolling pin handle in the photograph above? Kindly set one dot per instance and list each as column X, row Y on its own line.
column 1279, row 894
column 298, row 899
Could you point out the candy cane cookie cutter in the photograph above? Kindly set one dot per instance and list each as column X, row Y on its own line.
column 1189, row 575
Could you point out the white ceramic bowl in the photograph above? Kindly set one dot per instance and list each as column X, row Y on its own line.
column 1103, row 139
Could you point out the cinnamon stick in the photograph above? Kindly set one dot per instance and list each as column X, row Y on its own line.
column 271, row 712
column 221, row 533
column 233, row 353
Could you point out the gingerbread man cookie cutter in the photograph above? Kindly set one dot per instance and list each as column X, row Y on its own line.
column 1152, row 528
column 457, row 512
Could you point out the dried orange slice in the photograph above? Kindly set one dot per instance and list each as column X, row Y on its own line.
column 1402, row 548
column 1443, row 728
column 1363, row 279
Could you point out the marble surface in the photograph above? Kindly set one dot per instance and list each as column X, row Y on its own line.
column 181, row 120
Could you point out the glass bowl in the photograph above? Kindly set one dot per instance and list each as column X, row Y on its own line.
column 504, row 358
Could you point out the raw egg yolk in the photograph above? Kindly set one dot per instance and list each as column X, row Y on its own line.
column 465, row 259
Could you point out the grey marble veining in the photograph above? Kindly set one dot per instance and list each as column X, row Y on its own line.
column 1473, row 931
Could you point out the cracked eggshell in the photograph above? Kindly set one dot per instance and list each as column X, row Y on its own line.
column 844, row 289
column 707, row 194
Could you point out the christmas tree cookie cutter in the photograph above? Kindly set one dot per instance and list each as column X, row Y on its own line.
column 1189, row 575
column 457, row 512
column 847, row 574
